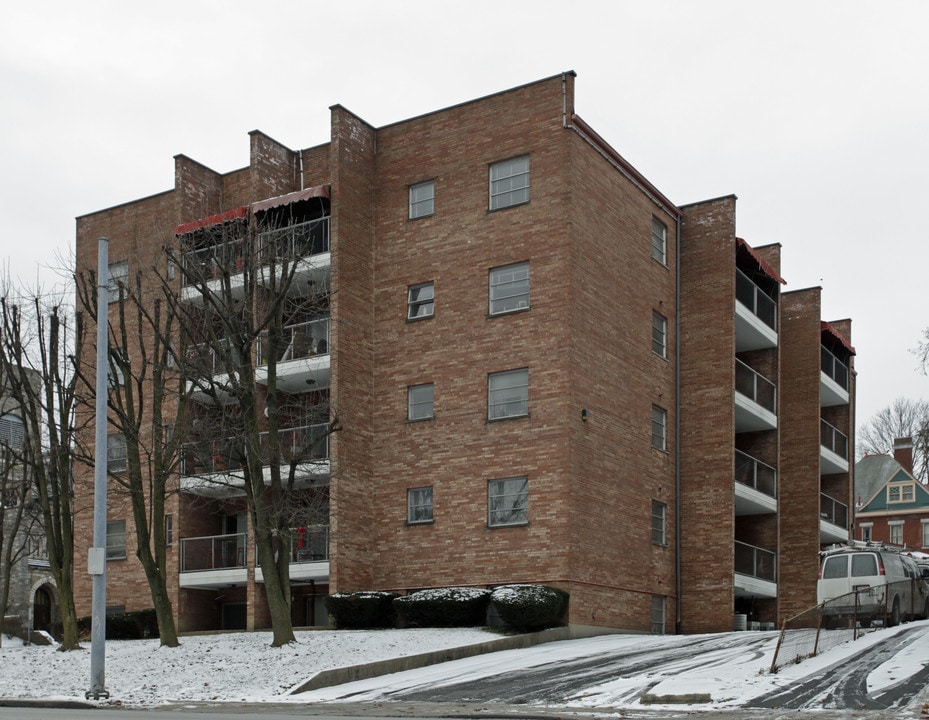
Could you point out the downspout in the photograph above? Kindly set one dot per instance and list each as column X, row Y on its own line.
column 677, row 425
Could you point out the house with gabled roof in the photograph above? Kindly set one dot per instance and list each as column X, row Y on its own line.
column 892, row 505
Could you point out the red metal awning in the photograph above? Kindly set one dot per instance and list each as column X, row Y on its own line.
column 217, row 219
column 763, row 264
column 827, row 328
column 320, row 191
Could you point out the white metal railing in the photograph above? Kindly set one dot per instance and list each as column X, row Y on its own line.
column 834, row 440
column 755, row 299
column 209, row 261
column 834, row 368
column 304, row 443
column 295, row 241
column 309, row 544
column 833, row 511
column 755, row 562
column 755, row 386
column 213, row 552
column 755, row 474
column 300, row 340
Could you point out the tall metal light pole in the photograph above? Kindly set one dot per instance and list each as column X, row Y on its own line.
column 96, row 559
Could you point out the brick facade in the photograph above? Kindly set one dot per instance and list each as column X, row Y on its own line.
column 586, row 340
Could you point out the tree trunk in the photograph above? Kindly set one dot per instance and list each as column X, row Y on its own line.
column 278, row 599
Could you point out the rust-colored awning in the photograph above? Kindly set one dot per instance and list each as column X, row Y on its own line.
column 763, row 264
column 217, row 219
column 828, row 329
column 320, row 191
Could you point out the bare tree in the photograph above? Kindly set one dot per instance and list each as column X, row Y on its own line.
column 146, row 401
column 904, row 418
column 37, row 345
column 248, row 307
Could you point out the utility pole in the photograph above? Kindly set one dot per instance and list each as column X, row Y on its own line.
column 96, row 560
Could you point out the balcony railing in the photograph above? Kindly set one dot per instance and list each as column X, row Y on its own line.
column 301, row 444
column 833, row 511
column 213, row 552
column 310, row 544
column 296, row 241
column 755, row 299
column 833, row 440
column 302, row 340
column 210, row 456
column 755, row 474
column 755, row 386
column 208, row 262
column 834, row 368
column 755, row 562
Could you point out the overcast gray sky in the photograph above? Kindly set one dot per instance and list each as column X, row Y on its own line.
column 815, row 113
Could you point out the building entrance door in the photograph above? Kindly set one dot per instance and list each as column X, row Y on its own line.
column 41, row 610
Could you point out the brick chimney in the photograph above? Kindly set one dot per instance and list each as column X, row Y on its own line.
column 903, row 453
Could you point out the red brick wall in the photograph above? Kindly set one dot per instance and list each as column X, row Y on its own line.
column 707, row 339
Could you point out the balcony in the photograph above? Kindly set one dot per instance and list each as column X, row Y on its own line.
column 755, row 316
column 755, row 486
column 305, row 245
column 207, row 359
column 206, row 263
column 755, row 400
column 309, row 555
column 833, row 450
column 304, row 363
column 833, row 520
column 213, row 468
column 833, row 380
column 213, row 561
column 755, row 571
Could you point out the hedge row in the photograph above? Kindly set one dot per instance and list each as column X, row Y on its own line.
column 518, row 607
column 135, row 625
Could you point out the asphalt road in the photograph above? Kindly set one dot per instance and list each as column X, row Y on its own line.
column 844, row 685
column 840, row 687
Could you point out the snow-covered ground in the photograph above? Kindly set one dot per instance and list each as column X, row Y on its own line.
column 242, row 667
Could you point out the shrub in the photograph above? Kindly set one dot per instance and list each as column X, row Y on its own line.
column 135, row 625
column 443, row 607
column 360, row 610
column 529, row 607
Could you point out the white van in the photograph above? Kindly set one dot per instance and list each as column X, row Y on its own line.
column 870, row 583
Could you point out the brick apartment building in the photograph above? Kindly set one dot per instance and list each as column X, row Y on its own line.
column 545, row 372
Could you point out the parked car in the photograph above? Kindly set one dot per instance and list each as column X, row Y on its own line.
column 868, row 583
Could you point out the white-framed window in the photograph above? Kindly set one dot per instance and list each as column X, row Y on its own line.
column 422, row 199
column 658, row 614
column 659, row 334
column 420, row 301
column 169, row 530
column 419, row 505
column 659, row 428
column 508, row 394
column 508, row 502
column 901, row 492
column 11, row 431
column 659, row 241
column 925, row 533
column 420, row 402
column 509, row 288
column 116, row 540
column 866, row 531
column 509, row 182
column 116, row 459
column 659, row 523
column 118, row 276
column 896, row 532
